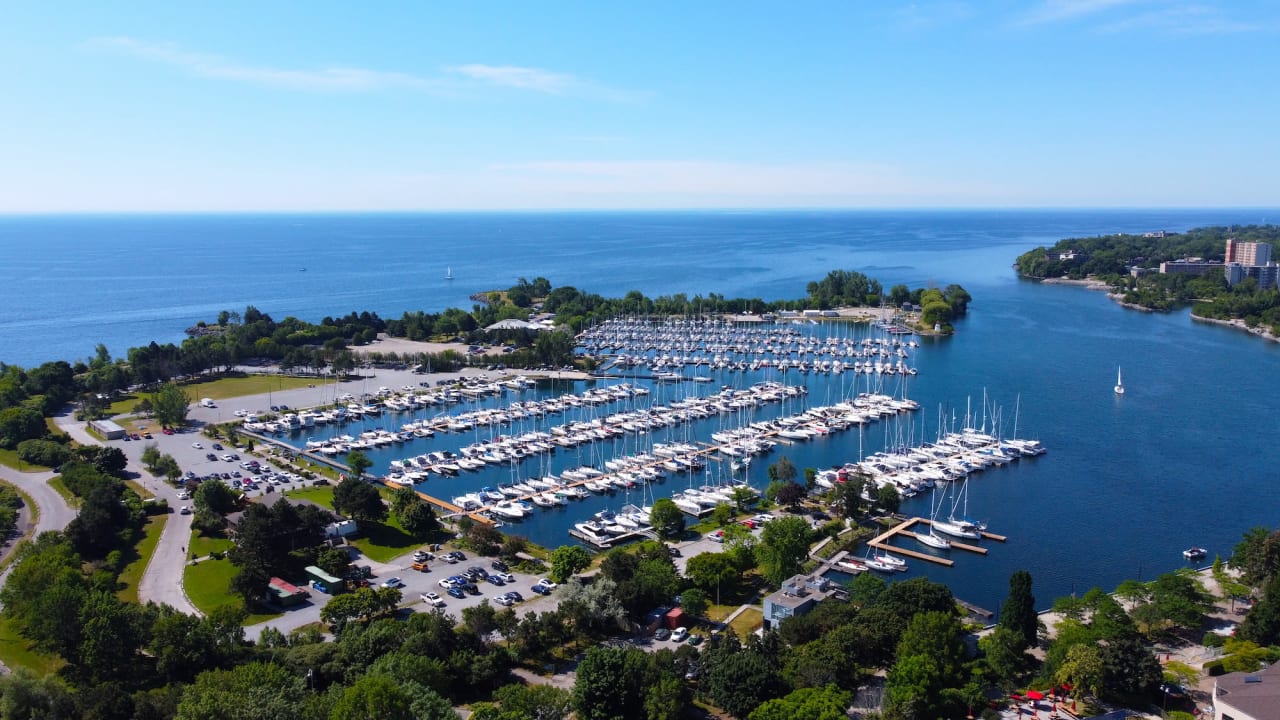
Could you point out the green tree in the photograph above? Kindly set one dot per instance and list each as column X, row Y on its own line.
column 255, row 691
column 887, row 498
column 1019, row 610
column 1082, row 670
column 171, row 405
column 215, row 497
column 358, row 499
column 667, row 519
column 387, row 698
column 829, row 703
column 419, row 520
column 18, row 424
column 784, row 544
column 782, row 471
column 694, row 602
column 150, row 457
column 711, row 571
column 1003, row 653
column 1257, row 556
column 567, row 561
column 358, row 462
column 930, row 662
column 609, row 685
column 722, row 514
column 1262, row 624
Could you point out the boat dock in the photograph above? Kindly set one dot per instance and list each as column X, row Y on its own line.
column 609, row 541
column 881, row 542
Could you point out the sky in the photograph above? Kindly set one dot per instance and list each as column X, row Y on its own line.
column 340, row 106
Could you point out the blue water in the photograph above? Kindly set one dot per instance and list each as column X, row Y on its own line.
column 1183, row 458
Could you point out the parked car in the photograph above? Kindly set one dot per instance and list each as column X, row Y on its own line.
column 546, row 582
column 432, row 599
column 471, row 589
column 514, row 596
column 392, row 582
column 507, row 577
column 504, row 600
column 695, row 639
column 495, row 580
column 680, row 634
column 197, row 446
column 499, row 565
column 217, row 446
column 541, row 589
column 661, row 634
column 447, row 583
column 456, row 592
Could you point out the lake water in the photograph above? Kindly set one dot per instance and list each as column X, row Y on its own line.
column 1185, row 457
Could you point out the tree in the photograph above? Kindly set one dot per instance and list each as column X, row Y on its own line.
column 255, row 691
column 784, row 543
column 930, row 662
column 567, row 561
column 215, row 497
column 887, row 498
column 1082, row 670
column 610, row 684
column 150, row 457
column 358, row 499
column 667, row 519
column 1257, row 556
column 1003, row 653
column 1019, row 610
column 1262, row 624
column 358, row 462
column 722, row 514
column 709, row 571
column 740, row 679
column 782, row 471
column 790, row 493
column 829, row 703
column 171, row 405
column 388, row 698
column 419, row 520
column 694, row 602
column 18, row 424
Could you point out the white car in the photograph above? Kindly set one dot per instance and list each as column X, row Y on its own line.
column 446, row 583
column 506, row 577
column 432, row 599
column 546, row 582
column 680, row 634
column 184, row 495
column 197, row 446
column 228, row 458
column 184, row 510
column 392, row 582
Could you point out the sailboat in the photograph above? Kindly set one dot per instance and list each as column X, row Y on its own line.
column 931, row 538
column 1119, row 384
column 448, row 273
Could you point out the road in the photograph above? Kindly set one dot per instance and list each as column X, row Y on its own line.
column 55, row 513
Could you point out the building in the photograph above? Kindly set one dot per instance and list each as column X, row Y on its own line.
column 1188, row 266
column 1248, row 696
column 1268, row 276
column 798, row 596
column 107, row 429
column 1247, row 253
column 286, row 594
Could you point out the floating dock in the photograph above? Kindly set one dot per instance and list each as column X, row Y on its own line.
column 881, row 542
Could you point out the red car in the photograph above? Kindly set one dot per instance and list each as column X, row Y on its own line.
column 167, row 431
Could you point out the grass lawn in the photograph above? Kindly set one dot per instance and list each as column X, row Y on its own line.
column 207, row 584
column 378, row 541
column 232, row 387
column 141, row 491
column 16, row 652
column 141, row 554
column 203, row 546
column 56, row 483
column 10, row 459
column 747, row 622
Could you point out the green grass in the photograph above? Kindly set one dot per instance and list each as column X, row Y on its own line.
column 747, row 622
column 56, row 483
column 382, row 541
column 207, row 584
column 16, row 652
column 9, row 458
column 233, row 387
column 141, row 491
column 202, row 546
column 141, row 554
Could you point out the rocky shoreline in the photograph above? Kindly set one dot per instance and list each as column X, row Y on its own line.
column 1239, row 324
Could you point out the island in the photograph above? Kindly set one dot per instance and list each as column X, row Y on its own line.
column 1225, row 273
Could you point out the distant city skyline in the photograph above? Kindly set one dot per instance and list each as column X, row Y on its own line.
column 155, row 107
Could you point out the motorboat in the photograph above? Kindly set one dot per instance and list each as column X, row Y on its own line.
column 1195, row 553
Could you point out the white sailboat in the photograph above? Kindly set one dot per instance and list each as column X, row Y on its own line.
column 931, row 538
column 448, row 273
column 1119, row 383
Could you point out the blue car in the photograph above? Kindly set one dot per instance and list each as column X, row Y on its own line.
column 495, row 580
column 456, row 591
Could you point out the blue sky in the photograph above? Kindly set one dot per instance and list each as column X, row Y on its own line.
column 454, row 106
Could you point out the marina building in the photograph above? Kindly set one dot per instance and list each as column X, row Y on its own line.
column 1248, row 696
column 799, row 596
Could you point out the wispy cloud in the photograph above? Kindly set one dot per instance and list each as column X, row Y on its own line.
column 1052, row 11
column 518, row 77
column 1185, row 20
column 354, row 79
column 214, row 66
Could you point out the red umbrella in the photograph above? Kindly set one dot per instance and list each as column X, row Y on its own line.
column 1035, row 695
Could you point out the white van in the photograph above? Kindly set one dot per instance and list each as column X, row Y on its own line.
column 207, row 402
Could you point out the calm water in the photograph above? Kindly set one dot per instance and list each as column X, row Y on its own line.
column 1183, row 458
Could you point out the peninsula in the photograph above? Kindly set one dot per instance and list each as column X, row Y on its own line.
column 1226, row 273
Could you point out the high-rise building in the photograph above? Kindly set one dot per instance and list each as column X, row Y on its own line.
column 1247, row 253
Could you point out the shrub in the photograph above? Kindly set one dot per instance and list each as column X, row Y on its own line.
column 43, row 452
column 1213, row 640
column 1214, row 668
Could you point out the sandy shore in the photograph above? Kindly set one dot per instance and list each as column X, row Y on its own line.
column 404, row 346
column 1087, row 283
